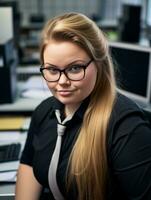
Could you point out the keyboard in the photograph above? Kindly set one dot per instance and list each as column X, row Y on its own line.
column 10, row 152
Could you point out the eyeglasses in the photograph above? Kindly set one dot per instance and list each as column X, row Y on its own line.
column 74, row 72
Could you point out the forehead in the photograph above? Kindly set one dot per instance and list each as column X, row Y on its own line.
column 63, row 52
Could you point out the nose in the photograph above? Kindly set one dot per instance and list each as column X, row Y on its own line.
column 63, row 79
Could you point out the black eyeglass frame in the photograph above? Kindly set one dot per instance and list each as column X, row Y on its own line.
column 84, row 66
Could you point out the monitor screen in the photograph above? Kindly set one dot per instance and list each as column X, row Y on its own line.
column 7, row 29
column 11, row 17
column 133, row 70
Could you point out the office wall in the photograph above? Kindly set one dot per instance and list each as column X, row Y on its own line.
column 107, row 9
column 111, row 10
column 53, row 7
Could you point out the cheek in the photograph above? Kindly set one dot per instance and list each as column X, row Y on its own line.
column 89, row 82
column 91, row 78
column 51, row 86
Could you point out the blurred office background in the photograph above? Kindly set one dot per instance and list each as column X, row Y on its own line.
column 105, row 9
column 122, row 20
column 127, row 21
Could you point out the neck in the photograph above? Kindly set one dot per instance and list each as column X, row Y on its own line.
column 71, row 109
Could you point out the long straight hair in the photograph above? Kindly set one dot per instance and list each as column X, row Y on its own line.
column 88, row 160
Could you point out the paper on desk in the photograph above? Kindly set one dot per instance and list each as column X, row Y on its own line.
column 36, row 87
column 35, row 82
column 26, row 124
column 8, row 171
column 36, row 93
column 8, row 176
column 9, row 136
column 9, row 166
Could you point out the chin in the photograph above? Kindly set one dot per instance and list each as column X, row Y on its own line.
column 67, row 100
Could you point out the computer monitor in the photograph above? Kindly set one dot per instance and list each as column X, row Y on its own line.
column 11, row 8
column 7, row 25
column 130, row 23
column 133, row 70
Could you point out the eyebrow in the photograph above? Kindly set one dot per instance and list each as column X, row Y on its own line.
column 70, row 64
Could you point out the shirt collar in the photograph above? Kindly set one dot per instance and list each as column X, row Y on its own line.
column 57, row 105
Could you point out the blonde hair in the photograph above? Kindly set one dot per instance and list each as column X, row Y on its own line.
column 88, row 159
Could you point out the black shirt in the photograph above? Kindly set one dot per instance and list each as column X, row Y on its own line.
column 128, row 147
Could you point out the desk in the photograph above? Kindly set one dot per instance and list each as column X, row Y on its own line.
column 23, row 106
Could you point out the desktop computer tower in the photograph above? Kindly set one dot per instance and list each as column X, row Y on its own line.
column 129, row 23
column 8, row 76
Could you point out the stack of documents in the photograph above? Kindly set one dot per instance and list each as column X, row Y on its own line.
column 35, row 87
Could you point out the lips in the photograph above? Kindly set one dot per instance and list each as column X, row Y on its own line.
column 65, row 92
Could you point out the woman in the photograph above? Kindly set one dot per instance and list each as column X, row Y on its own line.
column 105, row 149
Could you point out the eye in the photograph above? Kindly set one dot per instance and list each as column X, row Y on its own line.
column 52, row 70
column 75, row 68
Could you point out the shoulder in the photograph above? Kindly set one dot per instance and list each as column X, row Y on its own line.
column 124, row 106
column 45, row 107
column 123, row 103
column 125, row 117
column 45, row 104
